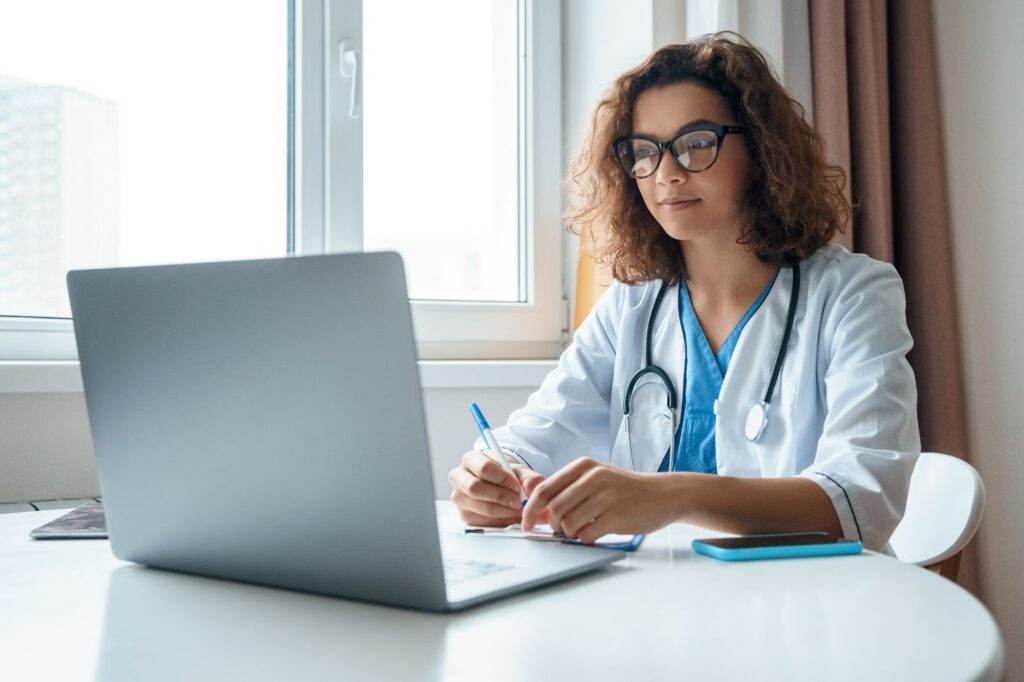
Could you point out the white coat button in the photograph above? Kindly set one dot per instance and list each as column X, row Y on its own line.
column 714, row 408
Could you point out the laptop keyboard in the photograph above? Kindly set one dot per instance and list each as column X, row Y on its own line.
column 457, row 570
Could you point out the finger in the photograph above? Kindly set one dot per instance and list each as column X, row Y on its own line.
column 596, row 529
column 486, row 469
column 545, row 491
column 484, row 508
column 568, row 500
column 528, row 478
column 583, row 514
column 473, row 519
column 549, row 489
column 465, row 482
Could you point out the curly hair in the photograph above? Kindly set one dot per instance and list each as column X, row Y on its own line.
column 794, row 204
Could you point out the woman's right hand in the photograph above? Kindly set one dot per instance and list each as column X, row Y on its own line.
column 487, row 495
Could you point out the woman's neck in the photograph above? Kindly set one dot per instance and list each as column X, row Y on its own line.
column 723, row 274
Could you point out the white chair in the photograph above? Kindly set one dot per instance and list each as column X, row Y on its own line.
column 944, row 507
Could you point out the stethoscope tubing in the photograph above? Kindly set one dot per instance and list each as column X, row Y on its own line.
column 672, row 395
column 794, row 296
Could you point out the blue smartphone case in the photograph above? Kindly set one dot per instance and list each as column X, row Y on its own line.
column 777, row 552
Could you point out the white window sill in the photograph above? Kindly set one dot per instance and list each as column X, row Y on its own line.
column 31, row 376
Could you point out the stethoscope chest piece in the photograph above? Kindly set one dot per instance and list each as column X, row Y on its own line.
column 757, row 420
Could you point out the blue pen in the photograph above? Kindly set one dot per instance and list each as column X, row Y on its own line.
column 492, row 444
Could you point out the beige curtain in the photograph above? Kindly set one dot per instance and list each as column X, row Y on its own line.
column 876, row 103
column 591, row 282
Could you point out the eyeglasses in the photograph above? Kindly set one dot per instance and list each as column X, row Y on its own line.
column 695, row 150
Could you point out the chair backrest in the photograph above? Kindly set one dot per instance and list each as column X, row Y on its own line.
column 944, row 507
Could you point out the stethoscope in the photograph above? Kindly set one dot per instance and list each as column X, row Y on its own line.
column 757, row 416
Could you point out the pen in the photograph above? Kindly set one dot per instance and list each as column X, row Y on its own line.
column 492, row 444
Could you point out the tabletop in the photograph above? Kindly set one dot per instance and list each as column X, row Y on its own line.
column 69, row 610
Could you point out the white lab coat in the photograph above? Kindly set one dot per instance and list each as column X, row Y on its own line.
column 844, row 411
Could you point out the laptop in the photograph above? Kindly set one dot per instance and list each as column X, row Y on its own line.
column 262, row 421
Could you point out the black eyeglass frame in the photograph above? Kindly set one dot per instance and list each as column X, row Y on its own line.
column 720, row 132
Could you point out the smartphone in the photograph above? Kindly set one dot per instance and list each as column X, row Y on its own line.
column 776, row 546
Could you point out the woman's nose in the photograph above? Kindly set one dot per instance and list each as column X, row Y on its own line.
column 669, row 171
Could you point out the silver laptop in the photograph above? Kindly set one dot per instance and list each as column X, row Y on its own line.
column 262, row 421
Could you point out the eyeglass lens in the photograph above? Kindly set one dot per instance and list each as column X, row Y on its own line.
column 694, row 151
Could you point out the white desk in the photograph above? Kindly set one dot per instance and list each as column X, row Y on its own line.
column 70, row 611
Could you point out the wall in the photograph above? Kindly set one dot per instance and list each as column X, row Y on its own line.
column 45, row 451
column 982, row 109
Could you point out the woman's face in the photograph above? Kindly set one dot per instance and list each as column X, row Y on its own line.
column 711, row 199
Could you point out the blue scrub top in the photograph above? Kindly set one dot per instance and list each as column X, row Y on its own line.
column 702, row 383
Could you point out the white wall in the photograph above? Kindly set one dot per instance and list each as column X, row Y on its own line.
column 982, row 110
column 45, row 449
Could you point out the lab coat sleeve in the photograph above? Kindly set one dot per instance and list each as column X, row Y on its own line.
column 568, row 416
column 870, row 440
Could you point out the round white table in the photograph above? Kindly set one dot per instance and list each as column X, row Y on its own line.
column 70, row 611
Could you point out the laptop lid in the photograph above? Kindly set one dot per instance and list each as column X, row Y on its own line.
column 263, row 421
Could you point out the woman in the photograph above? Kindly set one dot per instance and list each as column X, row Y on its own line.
column 733, row 231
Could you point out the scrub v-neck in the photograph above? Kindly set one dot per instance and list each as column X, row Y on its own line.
column 703, row 375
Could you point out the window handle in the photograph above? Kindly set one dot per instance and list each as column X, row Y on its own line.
column 350, row 57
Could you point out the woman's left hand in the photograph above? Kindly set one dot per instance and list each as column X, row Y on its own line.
column 587, row 499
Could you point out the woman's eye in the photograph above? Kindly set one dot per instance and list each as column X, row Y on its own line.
column 699, row 144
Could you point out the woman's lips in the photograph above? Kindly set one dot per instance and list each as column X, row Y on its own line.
column 679, row 205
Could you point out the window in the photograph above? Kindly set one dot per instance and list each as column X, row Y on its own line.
column 121, row 144
column 440, row 142
column 451, row 154
column 134, row 133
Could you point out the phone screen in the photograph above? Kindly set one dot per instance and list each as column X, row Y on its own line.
column 774, row 540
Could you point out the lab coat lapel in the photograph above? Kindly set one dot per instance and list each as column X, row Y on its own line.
column 652, row 425
column 747, row 379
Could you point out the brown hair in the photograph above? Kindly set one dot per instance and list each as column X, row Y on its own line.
column 795, row 201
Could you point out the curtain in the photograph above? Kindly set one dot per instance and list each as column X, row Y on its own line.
column 591, row 281
column 876, row 103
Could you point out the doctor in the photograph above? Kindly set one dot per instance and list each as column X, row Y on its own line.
column 741, row 373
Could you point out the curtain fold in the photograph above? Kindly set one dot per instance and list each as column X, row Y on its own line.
column 876, row 103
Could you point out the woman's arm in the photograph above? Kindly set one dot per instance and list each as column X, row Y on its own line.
column 751, row 505
column 587, row 499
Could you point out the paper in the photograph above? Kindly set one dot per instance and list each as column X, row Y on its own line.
column 543, row 532
column 539, row 532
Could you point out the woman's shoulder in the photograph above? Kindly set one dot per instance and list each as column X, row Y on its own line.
column 621, row 305
column 636, row 292
column 833, row 269
column 620, row 298
column 853, row 288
